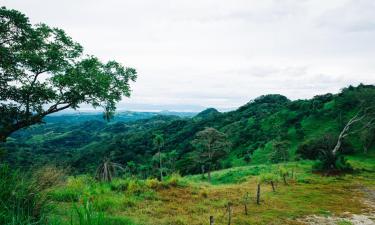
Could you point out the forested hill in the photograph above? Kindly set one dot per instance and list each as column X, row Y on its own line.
column 253, row 130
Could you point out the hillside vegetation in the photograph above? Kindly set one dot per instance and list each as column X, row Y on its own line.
column 252, row 130
column 274, row 170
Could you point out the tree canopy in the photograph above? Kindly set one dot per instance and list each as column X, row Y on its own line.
column 43, row 71
column 210, row 145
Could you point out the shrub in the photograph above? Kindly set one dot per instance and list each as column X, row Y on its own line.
column 47, row 177
column 330, row 163
column 173, row 180
column 119, row 184
column 136, row 186
column 280, row 152
column 153, row 183
column 312, row 149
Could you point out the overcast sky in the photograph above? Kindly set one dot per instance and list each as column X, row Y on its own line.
column 192, row 54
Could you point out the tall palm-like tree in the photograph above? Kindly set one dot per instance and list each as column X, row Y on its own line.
column 159, row 144
column 107, row 170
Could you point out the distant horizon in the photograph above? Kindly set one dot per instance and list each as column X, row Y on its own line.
column 218, row 53
column 180, row 108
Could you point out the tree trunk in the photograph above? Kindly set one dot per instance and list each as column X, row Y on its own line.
column 209, row 173
column 202, row 170
column 273, row 186
column 365, row 149
column 3, row 138
column 258, row 195
column 160, row 167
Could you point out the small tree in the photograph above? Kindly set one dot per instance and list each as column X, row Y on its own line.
column 170, row 161
column 367, row 137
column 280, row 153
column 159, row 144
column 211, row 145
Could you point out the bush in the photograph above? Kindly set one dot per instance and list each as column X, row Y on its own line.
column 280, row 152
column 312, row 149
column 119, row 185
column 153, row 183
column 136, row 186
column 330, row 163
column 173, row 180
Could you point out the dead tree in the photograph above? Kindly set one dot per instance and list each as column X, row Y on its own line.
column 365, row 116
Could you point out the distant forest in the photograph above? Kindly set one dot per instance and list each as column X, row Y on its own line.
column 256, row 132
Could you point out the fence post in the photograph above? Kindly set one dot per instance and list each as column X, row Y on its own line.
column 229, row 213
column 212, row 221
column 258, row 194
column 273, row 186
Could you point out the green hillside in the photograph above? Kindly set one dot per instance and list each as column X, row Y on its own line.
column 252, row 130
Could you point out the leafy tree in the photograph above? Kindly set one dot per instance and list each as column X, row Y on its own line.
column 280, row 153
column 43, row 71
column 367, row 137
column 171, row 159
column 211, row 145
column 159, row 144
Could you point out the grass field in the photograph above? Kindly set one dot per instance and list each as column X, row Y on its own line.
column 191, row 200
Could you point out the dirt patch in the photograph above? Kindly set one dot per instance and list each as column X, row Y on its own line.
column 367, row 218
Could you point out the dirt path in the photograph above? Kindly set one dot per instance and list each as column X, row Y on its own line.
column 367, row 218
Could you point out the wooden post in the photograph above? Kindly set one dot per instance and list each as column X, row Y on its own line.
column 258, row 195
column 284, row 178
column 245, row 201
column 212, row 221
column 229, row 213
column 273, row 186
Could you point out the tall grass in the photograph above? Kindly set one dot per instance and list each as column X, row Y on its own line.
column 23, row 198
column 85, row 214
column 19, row 202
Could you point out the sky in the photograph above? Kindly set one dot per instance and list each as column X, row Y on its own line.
column 194, row 54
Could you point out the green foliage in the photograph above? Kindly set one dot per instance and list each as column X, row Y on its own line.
column 312, row 149
column 250, row 130
column 332, row 163
column 210, row 146
column 268, row 178
column 85, row 214
column 24, row 196
column 280, row 153
column 43, row 71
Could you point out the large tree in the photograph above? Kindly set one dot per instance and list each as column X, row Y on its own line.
column 43, row 71
column 211, row 145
